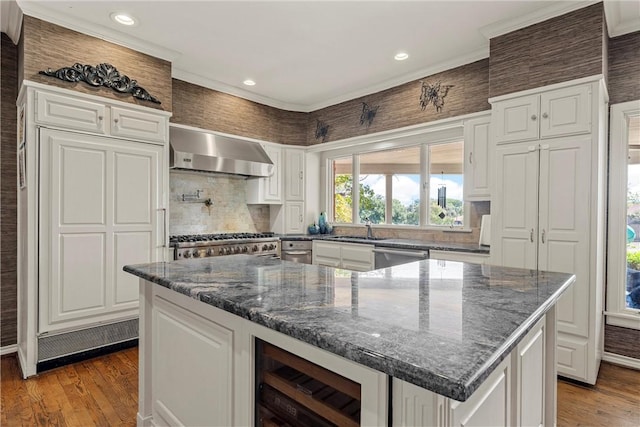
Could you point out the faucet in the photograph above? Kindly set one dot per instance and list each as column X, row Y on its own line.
column 369, row 231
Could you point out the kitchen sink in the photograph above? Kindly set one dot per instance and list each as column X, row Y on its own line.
column 357, row 237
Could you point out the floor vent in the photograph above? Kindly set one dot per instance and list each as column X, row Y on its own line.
column 54, row 346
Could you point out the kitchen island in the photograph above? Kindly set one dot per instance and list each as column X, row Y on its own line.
column 429, row 343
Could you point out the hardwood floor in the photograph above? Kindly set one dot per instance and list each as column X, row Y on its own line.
column 98, row 392
column 614, row 400
column 103, row 392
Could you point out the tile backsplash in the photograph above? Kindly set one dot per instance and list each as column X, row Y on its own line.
column 228, row 213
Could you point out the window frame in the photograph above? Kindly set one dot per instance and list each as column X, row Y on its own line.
column 617, row 313
column 423, row 139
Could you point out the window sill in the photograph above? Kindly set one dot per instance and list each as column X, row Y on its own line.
column 623, row 320
column 406, row 227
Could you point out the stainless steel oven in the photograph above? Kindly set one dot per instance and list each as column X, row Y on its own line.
column 296, row 251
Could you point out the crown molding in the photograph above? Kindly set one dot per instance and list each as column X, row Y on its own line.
column 507, row 26
column 197, row 79
column 11, row 19
column 402, row 79
column 36, row 10
column 613, row 13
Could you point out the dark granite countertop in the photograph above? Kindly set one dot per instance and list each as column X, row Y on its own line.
column 443, row 327
column 394, row 243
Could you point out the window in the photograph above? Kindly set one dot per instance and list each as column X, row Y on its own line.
column 623, row 281
column 391, row 189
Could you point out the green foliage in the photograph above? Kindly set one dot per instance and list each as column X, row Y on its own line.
column 633, row 260
column 372, row 206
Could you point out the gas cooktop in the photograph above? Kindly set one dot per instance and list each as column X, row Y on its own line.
column 208, row 245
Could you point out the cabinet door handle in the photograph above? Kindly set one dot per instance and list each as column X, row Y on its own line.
column 470, row 154
column 545, row 115
column 164, row 227
column 534, row 117
column 300, row 218
column 543, row 234
column 300, row 174
column 531, row 235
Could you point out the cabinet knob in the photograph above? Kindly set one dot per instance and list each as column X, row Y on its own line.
column 534, row 117
column 99, row 117
column 545, row 115
column 115, row 120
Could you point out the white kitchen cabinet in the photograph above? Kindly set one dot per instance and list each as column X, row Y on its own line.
column 490, row 405
column 549, row 114
column 478, row 151
column 350, row 256
column 267, row 190
column 99, row 210
column 530, row 378
column 294, row 174
column 294, row 218
column 471, row 257
column 92, row 202
column 133, row 124
column 70, row 112
column 548, row 214
column 74, row 113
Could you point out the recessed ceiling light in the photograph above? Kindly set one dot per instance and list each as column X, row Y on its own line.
column 401, row 56
column 124, row 19
column 249, row 82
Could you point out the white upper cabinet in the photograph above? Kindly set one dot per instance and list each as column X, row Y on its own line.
column 70, row 112
column 478, row 158
column 127, row 123
column 294, row 218
column 267, row 190
column 75, row 113
column 550, row 114
column 294, row 174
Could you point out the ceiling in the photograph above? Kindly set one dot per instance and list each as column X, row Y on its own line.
column 306, row 55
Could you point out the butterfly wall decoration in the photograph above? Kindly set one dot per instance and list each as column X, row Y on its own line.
column 368, row 114
column 321, row 129
column 433, row 93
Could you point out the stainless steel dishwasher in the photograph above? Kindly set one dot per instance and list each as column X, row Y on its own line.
column 389, row 257
column 296, row 251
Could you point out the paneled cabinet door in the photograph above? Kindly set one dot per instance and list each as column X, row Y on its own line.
column 294, row 173
column 478, row 159
column 565, row 200
column 516, row 119
column 273, row 184
column 99, row 210
column 530, row 378
column 70, row 112
column 565, row 111
column 514, row 216
column 294, row 218
column 127, row 123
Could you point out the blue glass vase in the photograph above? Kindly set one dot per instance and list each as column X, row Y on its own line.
column 322, row 223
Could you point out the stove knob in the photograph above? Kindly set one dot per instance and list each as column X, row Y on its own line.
column 211, row 252
column 187, row 254
column 227, row 251
column 272, row 247
column 265, row 247
column 196, row 253
column 245, row 249
column 236, row 250
column 254, row 248
column 221, row 251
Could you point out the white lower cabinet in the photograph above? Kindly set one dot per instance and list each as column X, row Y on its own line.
column 198, row 366
column 519, row 392
column 351, row 256
column 294, row 218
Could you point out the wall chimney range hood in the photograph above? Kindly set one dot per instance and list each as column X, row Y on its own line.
column 196, row 150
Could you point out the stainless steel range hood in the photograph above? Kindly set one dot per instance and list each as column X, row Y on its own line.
column 208, row 152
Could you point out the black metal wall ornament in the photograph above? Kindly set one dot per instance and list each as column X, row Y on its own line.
column 321, row 129
column 368, row 114
column 101, row 75
column 433, row 93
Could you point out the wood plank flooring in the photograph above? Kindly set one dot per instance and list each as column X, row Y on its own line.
column 104, row 392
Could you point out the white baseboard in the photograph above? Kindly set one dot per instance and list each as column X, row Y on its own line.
column 628, row 362
column 8, row 349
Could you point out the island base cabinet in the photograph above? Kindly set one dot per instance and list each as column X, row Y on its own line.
column 199, row 365
column 521, row 391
